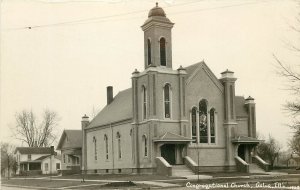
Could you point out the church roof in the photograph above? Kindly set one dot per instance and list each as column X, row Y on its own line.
column 192, row 68
column 118, row 110
column 240, row 108
column 74, row 139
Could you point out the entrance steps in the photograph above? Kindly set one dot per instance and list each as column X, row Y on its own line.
column 254, row 168
column 181, row 170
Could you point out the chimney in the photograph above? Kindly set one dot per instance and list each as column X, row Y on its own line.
column 52, row 150
column 110, row 95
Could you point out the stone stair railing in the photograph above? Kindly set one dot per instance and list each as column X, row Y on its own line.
column 190, row 164
column 163, row 167
column 242, row 166
column 261, row 163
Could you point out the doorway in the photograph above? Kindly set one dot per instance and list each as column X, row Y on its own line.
column 168, row 153
column 241, row 151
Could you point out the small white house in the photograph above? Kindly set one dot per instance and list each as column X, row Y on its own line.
column 50, row 164
column 37, row 160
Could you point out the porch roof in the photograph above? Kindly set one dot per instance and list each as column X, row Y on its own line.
column 171, row 137
column 30, row 161
column 245, row 140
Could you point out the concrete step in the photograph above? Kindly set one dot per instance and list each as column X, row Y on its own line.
column 181, row 170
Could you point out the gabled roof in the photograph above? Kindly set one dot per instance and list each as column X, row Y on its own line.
column 240, row 108
column 119, row 109
column 33, row 150
column 74, row 139
column 167, row 137
column 192, row 70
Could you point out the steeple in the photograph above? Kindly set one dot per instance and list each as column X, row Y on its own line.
column 157, row 39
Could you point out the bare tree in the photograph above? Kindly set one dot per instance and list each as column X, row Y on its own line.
column 294, row 144
column 40, row 134
column 290, row 72
column 269, row 150
column 8, row 161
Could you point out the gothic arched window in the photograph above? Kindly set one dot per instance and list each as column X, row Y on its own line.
column 144, row 102
column 106, row 146
column 194, row 124
column 95, row 147
column 162, row 45
column 149, row 51
column 212, row 121
column 203, row 121
column 119, row 145
column 145, row 143
column 167, row 101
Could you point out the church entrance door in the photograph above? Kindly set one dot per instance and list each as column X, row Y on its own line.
column 168, row 153
column 241, row 151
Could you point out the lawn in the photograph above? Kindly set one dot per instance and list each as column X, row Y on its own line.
column 46, row 183
column 120, row 177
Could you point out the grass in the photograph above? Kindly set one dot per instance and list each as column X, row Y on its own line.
column 289, row 171
column 120, row 177
column 44, row 183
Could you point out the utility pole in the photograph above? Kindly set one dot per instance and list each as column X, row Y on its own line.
column 198, row 164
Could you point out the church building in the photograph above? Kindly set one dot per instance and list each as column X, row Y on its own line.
column 170, row 117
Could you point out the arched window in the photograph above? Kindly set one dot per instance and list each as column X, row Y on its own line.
column 95, row 147
column 203, row 121
column 194, row 124
column 106, row 146
column 119, row 145
column 145, row 143
column 212, row 121
column 149, row 51
column 167, row 101
column 162, row 45
column 144, row 102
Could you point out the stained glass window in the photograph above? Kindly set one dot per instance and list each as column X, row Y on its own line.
column 203, row 121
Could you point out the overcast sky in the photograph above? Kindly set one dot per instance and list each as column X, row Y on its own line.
column 75, row 49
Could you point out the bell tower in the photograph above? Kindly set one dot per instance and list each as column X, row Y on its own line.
column 157, row 39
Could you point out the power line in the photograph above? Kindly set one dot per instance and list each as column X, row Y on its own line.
column 106, row 18
column 80, row 21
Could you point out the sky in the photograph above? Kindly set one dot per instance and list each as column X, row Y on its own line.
column 76, row 48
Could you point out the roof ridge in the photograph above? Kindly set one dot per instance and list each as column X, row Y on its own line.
column 201, row 62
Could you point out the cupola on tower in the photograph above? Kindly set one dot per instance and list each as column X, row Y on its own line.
column 157, row 39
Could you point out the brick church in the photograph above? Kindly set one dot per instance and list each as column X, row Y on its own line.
column 171, row 117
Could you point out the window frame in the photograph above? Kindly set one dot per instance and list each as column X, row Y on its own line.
column 119, row 145
column 106, row 146
column 46, row 165
column 194, row 124
column 163, row 51
column 95, row 148
column 149, row 52
column 169, row 101
column 144, row 102
column 205, row 113
column 212, row 115
column 145, row 145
